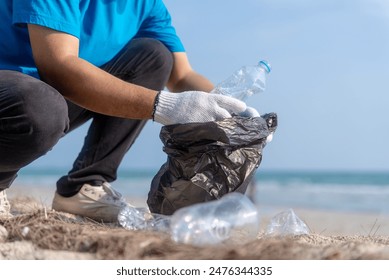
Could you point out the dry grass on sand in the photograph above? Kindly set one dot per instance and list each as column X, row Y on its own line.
column 39, row 234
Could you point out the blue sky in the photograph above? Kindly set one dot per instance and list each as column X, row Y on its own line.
column 329, row 84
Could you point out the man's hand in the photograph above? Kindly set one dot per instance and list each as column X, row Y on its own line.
column 195, row 106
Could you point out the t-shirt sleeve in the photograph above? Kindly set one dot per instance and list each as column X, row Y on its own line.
column 158, row 26
column 59, row 15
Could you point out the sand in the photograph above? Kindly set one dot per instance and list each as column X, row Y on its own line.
column 37, row 232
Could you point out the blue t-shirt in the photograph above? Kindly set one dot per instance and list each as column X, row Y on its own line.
column 103, row 27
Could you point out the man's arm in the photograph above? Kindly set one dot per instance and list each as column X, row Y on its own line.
column 184, row 78
column 56, row 56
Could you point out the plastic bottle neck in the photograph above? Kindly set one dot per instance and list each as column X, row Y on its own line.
column 264, row 65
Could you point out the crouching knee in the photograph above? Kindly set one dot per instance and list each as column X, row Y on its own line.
column 35, row 116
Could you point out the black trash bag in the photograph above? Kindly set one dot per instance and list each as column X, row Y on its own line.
column 208, row 160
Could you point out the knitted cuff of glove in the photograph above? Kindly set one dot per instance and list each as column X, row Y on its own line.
column 169, row 109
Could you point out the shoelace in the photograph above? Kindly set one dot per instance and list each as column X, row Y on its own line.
column 115, row 194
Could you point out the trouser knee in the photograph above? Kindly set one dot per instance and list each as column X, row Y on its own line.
column 33, row 117
column 144, row 61
column 160, row 59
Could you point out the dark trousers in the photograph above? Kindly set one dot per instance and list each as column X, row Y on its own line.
column 34, row 116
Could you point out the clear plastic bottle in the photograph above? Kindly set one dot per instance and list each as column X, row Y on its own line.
column 233, row 218
column 133, row 218
column 245, row 82
column 287, row 223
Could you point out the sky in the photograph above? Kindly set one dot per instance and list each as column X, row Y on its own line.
column 328, row 85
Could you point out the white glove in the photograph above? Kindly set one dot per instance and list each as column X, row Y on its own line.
column 250, row 112
column 195, row 106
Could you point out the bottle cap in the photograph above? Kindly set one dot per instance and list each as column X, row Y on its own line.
column 265, row 65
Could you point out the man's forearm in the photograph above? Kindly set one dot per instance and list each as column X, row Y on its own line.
column 99, row 91
column 192, row 81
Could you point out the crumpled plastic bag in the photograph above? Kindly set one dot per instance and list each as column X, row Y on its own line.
column 208, row 160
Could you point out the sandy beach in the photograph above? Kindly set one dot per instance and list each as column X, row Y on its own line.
column 37, row 232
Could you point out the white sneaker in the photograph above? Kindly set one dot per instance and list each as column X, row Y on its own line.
column 5, row 207
column 100, row 203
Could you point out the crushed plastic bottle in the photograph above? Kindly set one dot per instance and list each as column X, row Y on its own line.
column 245, row 82
column 233, row 218
column 133, row 218
column 287, row 223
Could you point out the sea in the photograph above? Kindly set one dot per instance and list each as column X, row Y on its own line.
column 347, row 191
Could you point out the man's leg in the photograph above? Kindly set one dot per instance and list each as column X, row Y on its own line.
column 33, row 117
column 144, row 62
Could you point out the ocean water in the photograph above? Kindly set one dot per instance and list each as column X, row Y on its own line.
column 321, row 190
column 338, row 191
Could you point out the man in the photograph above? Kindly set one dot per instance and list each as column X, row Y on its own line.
column 65, row 62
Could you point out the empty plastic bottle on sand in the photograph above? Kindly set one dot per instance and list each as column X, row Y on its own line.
column 133, row 218
column 233, row 219
column 287, row 223
column 245, row 82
